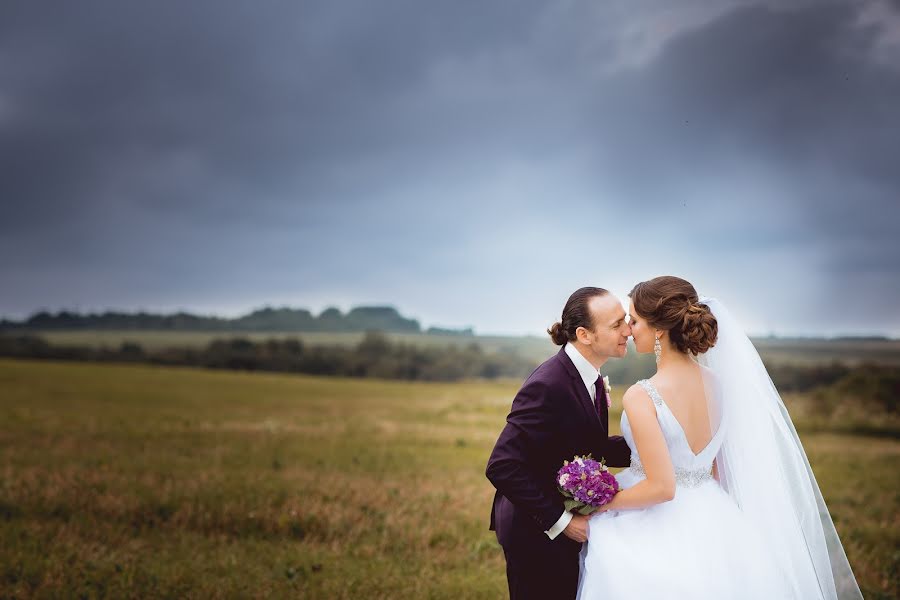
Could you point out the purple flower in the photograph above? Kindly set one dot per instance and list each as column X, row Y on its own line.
column 586, row 484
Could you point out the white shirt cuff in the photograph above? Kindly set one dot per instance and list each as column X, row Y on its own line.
column 560, row 525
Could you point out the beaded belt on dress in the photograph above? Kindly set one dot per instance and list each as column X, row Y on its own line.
column 684, row 477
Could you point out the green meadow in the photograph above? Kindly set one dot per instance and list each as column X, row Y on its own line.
column 138, row 481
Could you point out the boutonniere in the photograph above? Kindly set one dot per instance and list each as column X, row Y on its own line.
column 608, row 391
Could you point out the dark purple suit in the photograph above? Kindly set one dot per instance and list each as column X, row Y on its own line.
column 552, row 419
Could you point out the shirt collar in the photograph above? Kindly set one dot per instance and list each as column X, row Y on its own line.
column 587, row 371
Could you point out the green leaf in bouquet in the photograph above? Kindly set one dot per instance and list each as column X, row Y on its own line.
column 586, row 509
column 571, row 503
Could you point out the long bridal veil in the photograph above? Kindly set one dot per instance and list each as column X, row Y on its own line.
column 763, row 467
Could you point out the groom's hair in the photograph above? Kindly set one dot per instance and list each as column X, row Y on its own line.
column 575, row 314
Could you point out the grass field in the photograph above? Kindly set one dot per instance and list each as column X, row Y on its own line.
column 136, row 482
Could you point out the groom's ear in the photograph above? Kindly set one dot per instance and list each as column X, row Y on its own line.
column 581, row 334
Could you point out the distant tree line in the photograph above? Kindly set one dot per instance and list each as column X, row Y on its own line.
column 828, row 386
column 375, row 356
column 362, row 318
column 832, row 388
column 801, row 378
column 872, row 386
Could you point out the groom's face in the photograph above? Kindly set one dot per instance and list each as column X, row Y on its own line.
column 609, row 337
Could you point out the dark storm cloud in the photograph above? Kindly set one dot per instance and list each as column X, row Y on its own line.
column 251, row 95
column 163, row 153
column 792, row 94
column 796, row 89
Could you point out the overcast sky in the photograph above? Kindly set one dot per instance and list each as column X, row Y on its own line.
column 470, row 163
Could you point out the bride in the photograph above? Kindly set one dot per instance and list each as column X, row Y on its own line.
column 719, row 500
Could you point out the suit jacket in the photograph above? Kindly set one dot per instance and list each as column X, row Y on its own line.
column 552, row 419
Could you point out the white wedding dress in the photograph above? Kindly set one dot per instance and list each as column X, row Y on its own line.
column 762, row 531
column 698, row 545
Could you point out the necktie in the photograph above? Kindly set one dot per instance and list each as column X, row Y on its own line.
column 599, row 395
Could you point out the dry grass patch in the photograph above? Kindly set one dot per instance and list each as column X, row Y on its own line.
column 122, row 481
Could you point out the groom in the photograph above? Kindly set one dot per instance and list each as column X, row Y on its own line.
column 561, row 411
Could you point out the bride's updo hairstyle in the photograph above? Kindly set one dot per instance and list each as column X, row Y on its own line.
column 575, row 314
column 672, row 304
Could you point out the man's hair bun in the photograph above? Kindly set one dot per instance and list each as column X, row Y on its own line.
column 557, row 334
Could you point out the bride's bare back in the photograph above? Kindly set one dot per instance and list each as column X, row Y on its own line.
column 684, row 391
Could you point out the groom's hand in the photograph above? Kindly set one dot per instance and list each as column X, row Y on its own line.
column 577, row 529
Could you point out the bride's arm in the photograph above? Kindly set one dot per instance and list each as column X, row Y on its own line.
column 659, row 486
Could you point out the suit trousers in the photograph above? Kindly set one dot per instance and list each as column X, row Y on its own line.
column 547, row 571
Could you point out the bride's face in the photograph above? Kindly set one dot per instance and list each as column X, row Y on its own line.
column 641, row 331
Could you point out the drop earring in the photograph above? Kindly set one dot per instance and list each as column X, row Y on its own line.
column 657, row 350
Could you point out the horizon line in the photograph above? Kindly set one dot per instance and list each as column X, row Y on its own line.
column 890, row 336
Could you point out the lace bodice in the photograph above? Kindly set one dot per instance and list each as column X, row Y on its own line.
column 690, row 469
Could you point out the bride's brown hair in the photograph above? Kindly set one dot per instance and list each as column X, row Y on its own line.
column 672, row 304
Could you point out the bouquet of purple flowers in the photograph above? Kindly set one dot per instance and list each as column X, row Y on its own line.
column 586, row 484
